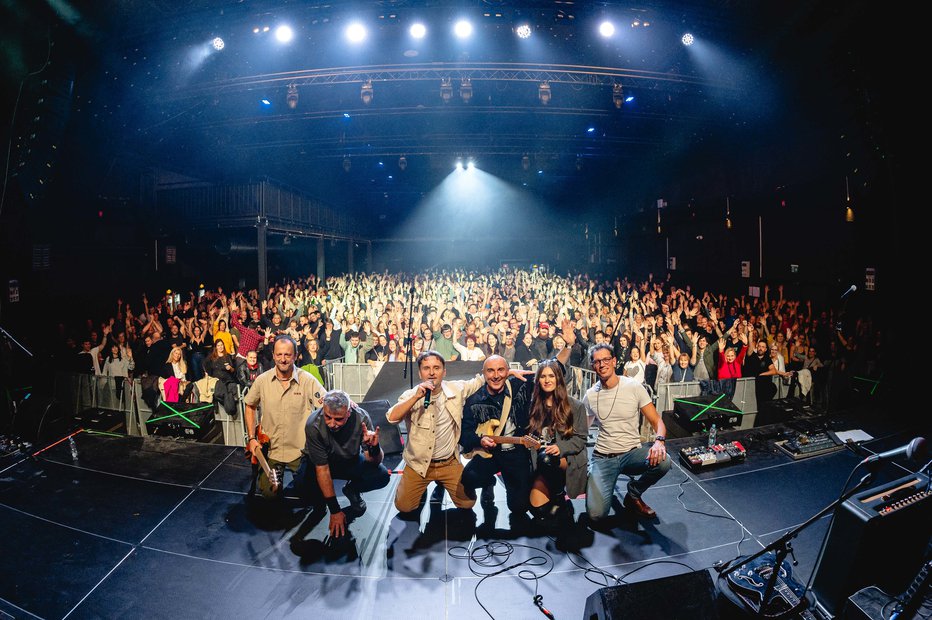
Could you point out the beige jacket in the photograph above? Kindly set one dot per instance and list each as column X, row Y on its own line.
column 419, row 448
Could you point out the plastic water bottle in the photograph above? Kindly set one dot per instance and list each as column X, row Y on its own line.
column 74, row 448
column 713, row 432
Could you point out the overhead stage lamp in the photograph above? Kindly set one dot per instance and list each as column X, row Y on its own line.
column 462, row 29
column 688, row 39
column 459, row 164
column 523, row 31
column 617, row 96
column 284, row 34
column 355, row 32
column 218, row 43
column 365, row 93
column 526, row 162
column 466, row 90
column 347, row 164
column 606, row 29
column 446, row 89
column 543, row 93
column 292, row 97
column 418, row 30
column 402, row 163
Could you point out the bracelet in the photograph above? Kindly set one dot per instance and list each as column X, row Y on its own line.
column 332, row 504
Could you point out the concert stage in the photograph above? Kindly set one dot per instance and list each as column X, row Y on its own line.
column 100, row 526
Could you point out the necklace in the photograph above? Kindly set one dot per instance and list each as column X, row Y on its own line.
column 612, row 408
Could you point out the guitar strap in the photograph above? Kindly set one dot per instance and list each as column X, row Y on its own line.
column 506, row 409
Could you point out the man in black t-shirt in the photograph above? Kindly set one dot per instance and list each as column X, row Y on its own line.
column 340, row 444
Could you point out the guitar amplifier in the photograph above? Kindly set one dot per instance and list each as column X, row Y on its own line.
column 878, row 537
column 185, row 420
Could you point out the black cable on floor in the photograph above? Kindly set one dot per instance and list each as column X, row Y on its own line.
column 708, row 514
column 495, row 555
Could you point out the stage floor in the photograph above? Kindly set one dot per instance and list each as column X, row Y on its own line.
column 102, row 526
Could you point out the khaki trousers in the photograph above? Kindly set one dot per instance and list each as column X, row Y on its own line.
column 447, row 473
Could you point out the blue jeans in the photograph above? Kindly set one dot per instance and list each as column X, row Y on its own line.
column 604, row 472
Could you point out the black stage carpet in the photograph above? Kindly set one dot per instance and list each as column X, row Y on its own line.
column 102, row 526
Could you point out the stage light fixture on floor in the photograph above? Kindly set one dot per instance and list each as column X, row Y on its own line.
column 462, row 29
column 617, row 96
column 365, row 93
column 355, row 32
column 218, row 43
column 470, row 165
column 402, row 163
column 284, row 34
column 466, row 90
column 459, row 164
column 523, row 31
column 688, row 39
column 543, row 93
column 418, row 30
column 606, row 29
column 446, row 89
column 292, row 97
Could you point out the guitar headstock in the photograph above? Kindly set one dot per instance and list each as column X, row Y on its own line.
column 531, row 442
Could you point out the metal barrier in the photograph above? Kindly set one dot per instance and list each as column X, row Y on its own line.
column 354, row 379
column 79, row 392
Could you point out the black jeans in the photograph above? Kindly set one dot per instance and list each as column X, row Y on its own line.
column 515, row 466
column 362, row 475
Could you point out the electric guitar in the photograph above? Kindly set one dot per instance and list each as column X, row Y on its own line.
column 486, row 429
column 258, row 458
column 749, row 582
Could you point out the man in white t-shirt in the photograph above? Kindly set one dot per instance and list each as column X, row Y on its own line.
column 615, row 402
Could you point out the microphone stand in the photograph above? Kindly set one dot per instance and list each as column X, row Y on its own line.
column 409, row 339
column 10, row 337
column 783, row 547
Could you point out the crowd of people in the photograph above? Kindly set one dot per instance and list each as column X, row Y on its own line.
column 659, row 332
column 634, row 336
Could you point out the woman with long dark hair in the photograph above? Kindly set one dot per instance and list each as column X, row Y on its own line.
column 560, row 467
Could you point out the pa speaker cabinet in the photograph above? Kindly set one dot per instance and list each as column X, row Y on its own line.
column 681, row 597
column 186, row 420
column 697, row 413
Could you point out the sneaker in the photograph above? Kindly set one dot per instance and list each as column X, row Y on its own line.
column 357, row 506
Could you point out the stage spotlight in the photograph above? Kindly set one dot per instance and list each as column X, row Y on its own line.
column 365, row 93
column 347, row 164
column 526, row 162
column 265, row 102
column 688, row 39
column 418, row 30
column 617, row 97
column 629, row 98
column 446, row 89
column 590, row 130
column 462, row 29
column 466, row 90
column 470, row 165
column 523, row 31
column 284, row 34
column 217, row 43
column 292, row 97
column 543, row 93
column 355, row 32
column 459, row 164
column 606, row 29
column 402, row 163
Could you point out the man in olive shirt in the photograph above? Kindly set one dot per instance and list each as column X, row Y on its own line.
column 287, row 396
column 342, row 443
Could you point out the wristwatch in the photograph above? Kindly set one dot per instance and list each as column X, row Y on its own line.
column 662, row 438
column 249, row 438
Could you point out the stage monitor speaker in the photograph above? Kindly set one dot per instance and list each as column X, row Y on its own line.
column 779, row 410
column 877, row 537
column 697, row 413
column 389, row 437
column 679, row 597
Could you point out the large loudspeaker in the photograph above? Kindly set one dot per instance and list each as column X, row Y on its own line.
column 389, row 437
column 878, row 537
column 779, row 410
column 688, row 596
column 697, row 413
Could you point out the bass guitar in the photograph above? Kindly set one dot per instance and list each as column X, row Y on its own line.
column 486, row 429
column 750, row 581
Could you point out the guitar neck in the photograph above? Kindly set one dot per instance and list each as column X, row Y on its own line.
column 500, row 439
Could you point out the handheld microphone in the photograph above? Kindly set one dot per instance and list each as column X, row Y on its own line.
column 850, row 290
column 914, row 450
column 427, row 399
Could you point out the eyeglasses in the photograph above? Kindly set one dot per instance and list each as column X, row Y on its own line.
column 600, row 362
